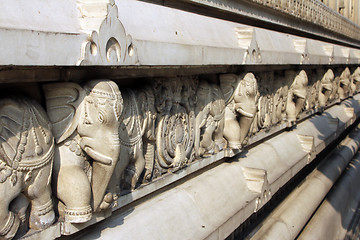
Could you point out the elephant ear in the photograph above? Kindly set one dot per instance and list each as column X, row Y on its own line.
column 12, row 114
column 63, row 107
column 228, row 84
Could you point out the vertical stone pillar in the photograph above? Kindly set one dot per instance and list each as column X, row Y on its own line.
column 356, row 17
column 347, row 8
column 333, row 4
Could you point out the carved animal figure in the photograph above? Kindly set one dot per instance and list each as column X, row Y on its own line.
column 26, row 158
column 343, row 89
column 241, row 97
column 86, row 129
column 296, row 96
column 355, row 81
column 137, row 136
column 325, row 88
column 210, row 109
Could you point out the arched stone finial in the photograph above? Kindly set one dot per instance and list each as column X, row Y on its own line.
column 110, row 45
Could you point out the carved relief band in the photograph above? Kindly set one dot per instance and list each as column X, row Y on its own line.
column 101, row 142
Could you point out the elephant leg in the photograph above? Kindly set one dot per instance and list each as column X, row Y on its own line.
column 42, row 214
column 219, row 135
column 9, row 221
column 207, row 144
column 73, row 189
column 136, row 167
column 245, row 124
column 19, row 206
column 149, row 149
column 139, row 167
column 232, row 133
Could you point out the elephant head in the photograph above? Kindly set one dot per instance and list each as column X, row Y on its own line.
column 326, row 87
column 355, row 81
column 296, row 96
column 246, row 96
column 89, row 117
column 26, row 158
column 241, row 97
column 344, row 84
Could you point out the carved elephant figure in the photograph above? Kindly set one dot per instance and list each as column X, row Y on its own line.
column 296, row 96
column 344, row 85
column 355, row 81
column 26, row 158
column 86, row 123
column 241, row 97
column 326, row 87
column 210, row 109
column 137, row 139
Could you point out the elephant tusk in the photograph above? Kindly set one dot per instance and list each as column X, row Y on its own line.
column 98, row 157
column 244, row 113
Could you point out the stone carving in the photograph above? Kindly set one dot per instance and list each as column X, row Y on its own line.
column 175, row 133
column 241, row 97
column 86, row 129
column 279, row 105
column 334, row 96
column 265, row 112
column 296, row 96
column 26, row 158
column 344, row 85
column 110, row 44
column 312, row 102
column 137, row 136
column 110, row 141
column 355, row 81
column 316, row 13
column 210, row 109
column 325, row 88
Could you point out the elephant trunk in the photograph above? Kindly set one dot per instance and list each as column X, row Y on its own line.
column 103, row 165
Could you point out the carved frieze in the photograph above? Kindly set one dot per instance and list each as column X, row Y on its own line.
column 103, row 141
